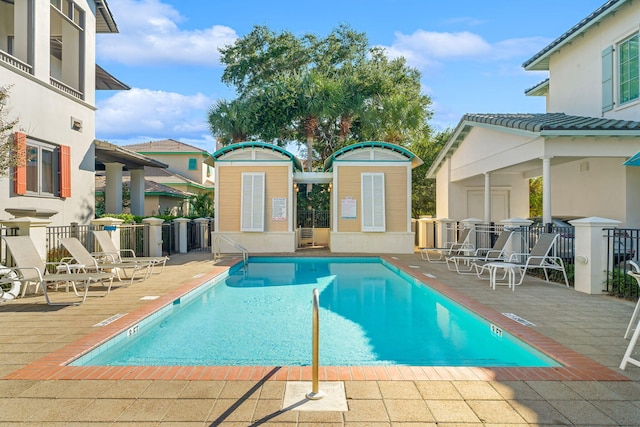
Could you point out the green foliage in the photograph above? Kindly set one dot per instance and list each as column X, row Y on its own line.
column 621, row 284
column 324, row 93
column 8, row 157
column 201, row 205
column 535, row 197
column 318, row 198
column 427, row 147
column 126, row 217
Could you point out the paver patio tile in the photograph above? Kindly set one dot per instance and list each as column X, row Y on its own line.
column 232, row 410
column 362, row 390
column 399, row 390
column 270, row 410
column 272, row 390
column 366, row 410
column 61, row 410
column 13, row 388
column 189, row 410
column 623, row 413
column 451, row 411
column 582, row 412
column 408, row 410
column 237, row 389
column 554, row 390
column 518, row 390
column 476, row 390
column 86, row 389
column 107, row 410
column 164, row 390
column 539, row 412
column 495, row 411
column 312, row 417
column 47, row 389
column 145, row 410
column 125, row 389
column 434, row 390
column 202, row 390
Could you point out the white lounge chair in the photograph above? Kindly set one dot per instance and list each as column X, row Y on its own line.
column 31, row 269
column 459, row 247
column 541, row 256
column 108, row 248
column 495, row 253
column 80, row 255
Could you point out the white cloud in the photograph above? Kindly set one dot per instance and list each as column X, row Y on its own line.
column 428, row 48
column 155, row 114
column 149, row 34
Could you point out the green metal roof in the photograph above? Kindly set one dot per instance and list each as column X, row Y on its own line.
column 415, row 160
column 297, row 164
column 540, row 61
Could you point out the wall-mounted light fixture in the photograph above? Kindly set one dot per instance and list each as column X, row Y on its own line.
column 76, row 124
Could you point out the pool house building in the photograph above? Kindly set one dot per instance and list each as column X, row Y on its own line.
column 369, row 182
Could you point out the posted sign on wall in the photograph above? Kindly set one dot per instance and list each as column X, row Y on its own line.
column 279, row 209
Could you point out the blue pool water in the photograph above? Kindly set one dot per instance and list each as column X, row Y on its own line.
column 369, row 315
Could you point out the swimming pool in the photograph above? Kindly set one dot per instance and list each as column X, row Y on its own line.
column 371, row 314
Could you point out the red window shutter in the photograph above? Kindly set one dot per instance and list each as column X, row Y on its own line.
column 20, row 169
column 65, row 171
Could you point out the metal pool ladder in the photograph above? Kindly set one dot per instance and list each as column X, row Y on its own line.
column 216, row 248
column 315, row 392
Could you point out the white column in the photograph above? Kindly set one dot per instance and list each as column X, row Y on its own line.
column 443, row 226
column 591, row 253
column 113, row 188
column 36, row 228
column 111, row 226
column 155, row 236
column 487, row 197
column 546, row 190
column 136, row 185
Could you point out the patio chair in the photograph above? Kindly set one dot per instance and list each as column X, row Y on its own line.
column 635, row 273
column 108, row 248
column 31, row 269
column 80, row 255
column 459, row 247
column 541, row 256
column 494, row 253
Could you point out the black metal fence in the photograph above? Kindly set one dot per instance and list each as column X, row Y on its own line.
column 622, row 254
column 199, row 235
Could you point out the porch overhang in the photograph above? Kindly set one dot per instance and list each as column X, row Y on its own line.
column 313, row 177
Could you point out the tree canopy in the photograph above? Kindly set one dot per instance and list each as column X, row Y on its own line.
column 8, row 157
column 323, row 93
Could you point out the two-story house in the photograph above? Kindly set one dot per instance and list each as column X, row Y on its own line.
column 191, row 166
column 48, row 69
column 578, row 147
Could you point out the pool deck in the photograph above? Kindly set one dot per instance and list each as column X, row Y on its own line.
column 583, row 331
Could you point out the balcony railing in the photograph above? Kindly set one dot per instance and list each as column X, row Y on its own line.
column 15, row 62
column 66, row 89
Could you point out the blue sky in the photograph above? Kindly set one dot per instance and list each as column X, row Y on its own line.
column 469, row 52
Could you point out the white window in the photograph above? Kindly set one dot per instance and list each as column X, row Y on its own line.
column 42, row 169
column 252, row 208
column 620, row 73
column 373, row 217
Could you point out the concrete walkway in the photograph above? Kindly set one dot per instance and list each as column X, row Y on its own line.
column 590, row 325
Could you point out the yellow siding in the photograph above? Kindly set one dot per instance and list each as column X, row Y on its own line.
column 229, row 188
column 395, row 184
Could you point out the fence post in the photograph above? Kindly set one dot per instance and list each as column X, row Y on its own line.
column 202, row 224
column 154, row 245
column 442, row 227
column 590, row 253
column 514, row 245
column 35, row 228
column 112, row 226
column 182, row 234
column 472, row 223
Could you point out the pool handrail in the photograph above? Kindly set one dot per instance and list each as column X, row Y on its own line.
column 216, row 247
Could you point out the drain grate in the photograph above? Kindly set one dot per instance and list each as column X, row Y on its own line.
column 111, row 319
column 518, row 319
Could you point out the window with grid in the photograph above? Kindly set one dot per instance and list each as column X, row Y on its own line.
column 628, row 68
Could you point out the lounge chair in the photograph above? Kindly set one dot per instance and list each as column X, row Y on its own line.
column 494, row 253
column 541, row 256
column 635, row 273
column 108, row 248
column 80, row 255
column 459, row 247
column 31, row 269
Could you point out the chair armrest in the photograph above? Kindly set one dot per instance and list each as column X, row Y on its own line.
column 129, row 251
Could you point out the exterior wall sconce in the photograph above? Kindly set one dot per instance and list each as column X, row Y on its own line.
column 76, row 124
